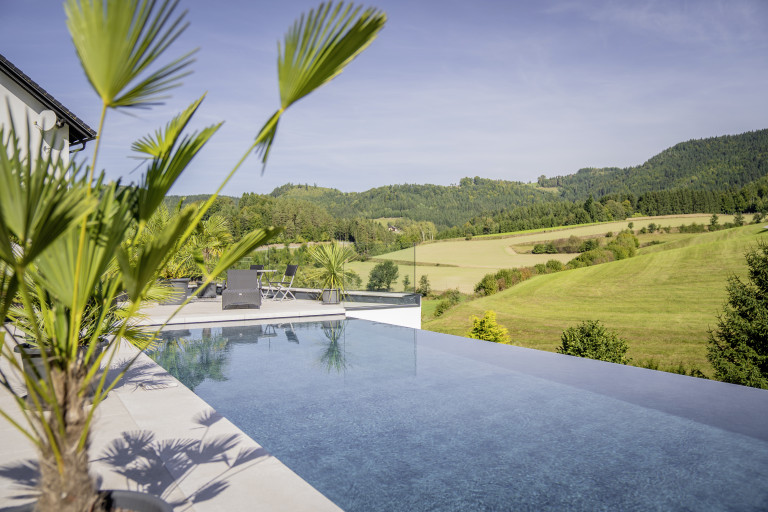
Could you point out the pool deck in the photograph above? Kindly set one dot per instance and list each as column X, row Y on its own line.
column 154, row 434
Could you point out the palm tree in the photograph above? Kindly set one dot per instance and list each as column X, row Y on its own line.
column 69, row 240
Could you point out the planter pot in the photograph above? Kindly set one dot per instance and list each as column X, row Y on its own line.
column 32, row 359
column 133, row 501
column 209, row 292
column 180, row 293
column 331, row 296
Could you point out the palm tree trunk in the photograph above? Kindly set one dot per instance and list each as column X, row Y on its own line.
column 65, row 484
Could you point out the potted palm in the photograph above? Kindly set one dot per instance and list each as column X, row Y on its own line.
column 210, row 241
column 71, row 242
column 332, row 273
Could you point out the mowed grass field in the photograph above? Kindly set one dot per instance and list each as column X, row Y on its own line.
column 470, row 260
column 663, row 301
column 440, row 278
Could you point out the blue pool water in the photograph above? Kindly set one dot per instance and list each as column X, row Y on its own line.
column 386, row 418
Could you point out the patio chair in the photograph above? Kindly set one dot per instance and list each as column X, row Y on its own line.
column 243, row 290
column 283, row 287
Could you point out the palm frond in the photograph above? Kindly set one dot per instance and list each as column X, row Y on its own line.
column 39, row 199
column 162, row 141
column 165, row 169
column 117, row 40
column 316, row 49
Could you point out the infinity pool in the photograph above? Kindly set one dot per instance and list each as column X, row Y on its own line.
column 386, row 418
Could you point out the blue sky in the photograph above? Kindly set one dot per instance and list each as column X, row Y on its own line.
column 499, row 89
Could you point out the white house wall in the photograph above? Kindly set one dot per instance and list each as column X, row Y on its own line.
column 18, row 105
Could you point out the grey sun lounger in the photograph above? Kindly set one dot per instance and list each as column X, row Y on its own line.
column 243, row 290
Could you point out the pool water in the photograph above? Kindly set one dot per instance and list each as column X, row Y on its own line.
column 385, row 418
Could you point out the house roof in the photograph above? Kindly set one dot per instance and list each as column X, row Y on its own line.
column 78, row 130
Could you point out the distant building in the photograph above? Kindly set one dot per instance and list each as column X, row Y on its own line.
column 21, row 98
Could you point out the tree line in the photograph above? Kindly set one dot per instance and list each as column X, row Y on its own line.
column 706, row 164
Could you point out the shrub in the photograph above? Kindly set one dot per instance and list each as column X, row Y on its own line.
column 540, row 268
column 609, row 234
column 591, row 339
column 487, row 329
column 594, row 257
column 589, row 244
column 737, row 348
column 488, row 285
column 424, row 287
column 693, row 228
column 758, row 218
column 442, row 307
column 554, row 266
column 509, row 277
column 383, row 275
column 548, row 248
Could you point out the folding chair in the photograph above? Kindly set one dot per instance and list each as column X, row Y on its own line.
column 264, row 291
column 283, row 289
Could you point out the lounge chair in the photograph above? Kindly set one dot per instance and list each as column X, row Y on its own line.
column 243, row 290
column 283, row 287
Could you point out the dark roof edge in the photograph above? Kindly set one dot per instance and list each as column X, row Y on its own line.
column 79, row 131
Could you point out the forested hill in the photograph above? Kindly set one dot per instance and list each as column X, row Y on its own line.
column 444, row 205
column 706, row 164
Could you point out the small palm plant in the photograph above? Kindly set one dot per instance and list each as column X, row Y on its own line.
column 333, row 274
column 71, row 243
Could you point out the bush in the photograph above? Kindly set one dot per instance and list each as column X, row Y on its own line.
column 488, row 285
column 383, row 275
column 589, row 245
column 540, row 268
column 424, row 287
column 737, row 348
column 548, row 248
column 624, row 245
column 508, row 277
column 442, row 307
column 609, row 234
column 589, row 258
column 693, row 228
column 487, row 329
column 758, row 218
column 591, row 339
column 554, row 266
column 450, row 299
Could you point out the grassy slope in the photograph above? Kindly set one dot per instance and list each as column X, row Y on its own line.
column 475, row 258
column 662, row 301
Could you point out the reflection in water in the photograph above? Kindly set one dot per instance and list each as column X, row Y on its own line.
column 193, row 359
column 334, row 356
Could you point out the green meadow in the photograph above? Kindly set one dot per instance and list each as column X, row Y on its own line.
column 462, row 263
column 663, row 301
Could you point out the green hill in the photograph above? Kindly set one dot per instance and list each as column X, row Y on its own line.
column 662, row 301
column 445, row 206
column 707, row 164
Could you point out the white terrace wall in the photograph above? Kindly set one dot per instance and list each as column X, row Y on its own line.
column 406, row 316
column 18, row 106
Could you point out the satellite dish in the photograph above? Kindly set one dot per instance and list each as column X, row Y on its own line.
column 47, row 120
